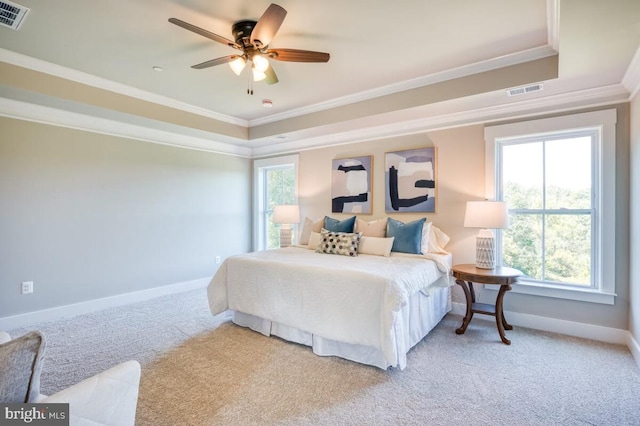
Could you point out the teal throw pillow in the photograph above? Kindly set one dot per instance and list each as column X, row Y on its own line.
column 407, row 236
column 335, row 225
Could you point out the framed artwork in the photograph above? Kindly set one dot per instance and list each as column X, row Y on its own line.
column 351, row 185
column 410, row 180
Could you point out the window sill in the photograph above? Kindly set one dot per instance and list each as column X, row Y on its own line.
column 527, row 287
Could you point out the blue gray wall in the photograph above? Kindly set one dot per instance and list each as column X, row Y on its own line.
column 86, row 216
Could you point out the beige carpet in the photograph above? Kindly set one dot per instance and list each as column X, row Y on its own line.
column 200, row 370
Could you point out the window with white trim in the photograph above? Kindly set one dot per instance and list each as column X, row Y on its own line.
column 275, row 183
column 557, row 177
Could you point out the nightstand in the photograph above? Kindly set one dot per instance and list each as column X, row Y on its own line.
column 466, row 275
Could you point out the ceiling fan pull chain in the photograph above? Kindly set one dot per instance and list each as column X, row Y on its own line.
column 250, row 84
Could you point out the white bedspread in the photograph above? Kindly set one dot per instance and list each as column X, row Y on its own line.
column 349, row 299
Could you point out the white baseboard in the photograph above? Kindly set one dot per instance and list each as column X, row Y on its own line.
column 571, row 328
column 634, row 347
column 29, row 318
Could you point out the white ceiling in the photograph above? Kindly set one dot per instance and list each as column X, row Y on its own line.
column 376, row 48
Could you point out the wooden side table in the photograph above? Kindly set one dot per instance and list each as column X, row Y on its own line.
column 466, row 275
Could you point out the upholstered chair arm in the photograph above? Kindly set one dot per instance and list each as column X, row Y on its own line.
column 108, row 398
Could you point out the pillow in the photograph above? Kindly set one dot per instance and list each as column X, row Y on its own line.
column 335, row 225
column 309, row 227
column 376, row 246
column 408, row 236
column 314, row 239
column 426, row 234
column 345, row 244
column 438, row 240
column 375, row 228
column 20, row 368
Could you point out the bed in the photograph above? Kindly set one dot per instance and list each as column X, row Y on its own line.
column 369, row 309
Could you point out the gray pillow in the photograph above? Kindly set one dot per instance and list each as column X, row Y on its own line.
column 20, row 368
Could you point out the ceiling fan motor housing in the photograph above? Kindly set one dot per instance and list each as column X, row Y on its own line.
column 242, row 32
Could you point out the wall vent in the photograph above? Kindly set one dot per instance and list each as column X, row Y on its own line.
column 524, row 89
column 11, row 14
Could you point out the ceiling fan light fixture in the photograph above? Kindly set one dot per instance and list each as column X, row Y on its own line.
column 258, row 75
column 237, row 65
column 260, row 63
column 252, row 39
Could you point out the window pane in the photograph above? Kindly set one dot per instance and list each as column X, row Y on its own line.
column 522, row 175
column 280, row 189
column 568, row 173
column 568, row 249
column 522, row 244
column 273, row 232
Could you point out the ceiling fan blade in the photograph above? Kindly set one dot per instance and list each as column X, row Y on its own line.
column 204, row 33
column 272, row 78
column 217, row 61
column 268, row 25
column 296, row 55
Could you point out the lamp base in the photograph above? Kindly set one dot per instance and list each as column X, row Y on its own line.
column 285, row 236
column 485, row 251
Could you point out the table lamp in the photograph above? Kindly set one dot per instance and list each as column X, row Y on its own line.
column 486, row 215
column 286, row 215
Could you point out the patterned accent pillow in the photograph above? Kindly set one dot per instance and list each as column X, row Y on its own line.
column 345, row 244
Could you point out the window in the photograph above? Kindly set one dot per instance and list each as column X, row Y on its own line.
column 557, row 176
column 275, row 182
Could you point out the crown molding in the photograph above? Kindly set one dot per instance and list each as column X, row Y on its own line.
column 58, row 117
column 39, row 65
column 463, row 71
column 473, row 114
column 631, row 79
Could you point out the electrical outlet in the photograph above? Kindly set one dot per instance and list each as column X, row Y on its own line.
column 27, row 287
column 217, row 259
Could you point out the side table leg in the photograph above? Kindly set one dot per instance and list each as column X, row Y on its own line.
column 500, row 321
column 467, row 294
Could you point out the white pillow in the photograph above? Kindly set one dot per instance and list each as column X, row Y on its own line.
column 376, row 246
column 433, row 239
column 314, row 240
column 375, row 228
column 439, row 241
column 426, row 234
column 308, row 227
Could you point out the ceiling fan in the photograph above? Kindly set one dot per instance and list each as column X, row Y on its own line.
column 252, row 39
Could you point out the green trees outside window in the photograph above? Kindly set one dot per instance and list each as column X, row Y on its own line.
column 547, row 184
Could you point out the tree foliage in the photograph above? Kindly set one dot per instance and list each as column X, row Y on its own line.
column 549, row 246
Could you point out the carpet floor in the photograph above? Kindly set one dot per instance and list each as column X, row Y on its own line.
column 203, row 370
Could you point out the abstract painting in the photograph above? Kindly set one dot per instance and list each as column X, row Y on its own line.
column 351, row 185
column 410, row 179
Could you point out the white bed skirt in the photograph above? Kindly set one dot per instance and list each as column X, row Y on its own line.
column 415, row 320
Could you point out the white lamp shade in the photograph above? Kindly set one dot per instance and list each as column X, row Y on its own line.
column 260, row 63
column 486, row 214
column 286, row 214
column 258, row 75
column 237, row 65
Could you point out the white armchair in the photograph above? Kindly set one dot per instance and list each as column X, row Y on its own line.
column 108, row 398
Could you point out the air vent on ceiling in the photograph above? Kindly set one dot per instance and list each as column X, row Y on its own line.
column 524, row 89
column 11, row 14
